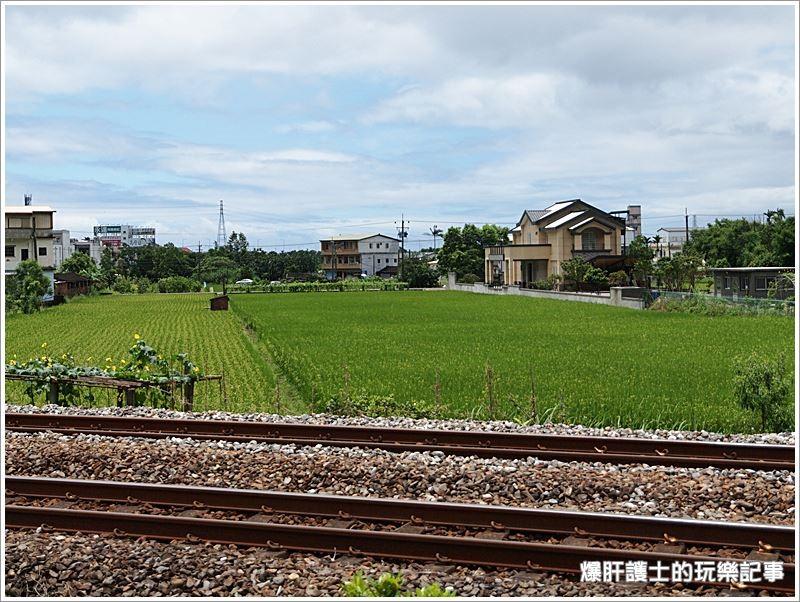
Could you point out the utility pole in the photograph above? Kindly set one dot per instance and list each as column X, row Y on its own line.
column 199, row 247
column 403, row 233
column 687, row 224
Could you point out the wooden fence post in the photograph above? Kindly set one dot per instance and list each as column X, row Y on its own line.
column 52, row 394
column 130, row 397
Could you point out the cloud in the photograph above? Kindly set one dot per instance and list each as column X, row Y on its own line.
column 308, row 127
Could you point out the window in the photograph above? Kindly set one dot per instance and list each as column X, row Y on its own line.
column 10, row 251
column 377, row 245
column 761, row 284
column 23, row 254
column 42, row 251
column 379, row 260
column 726, row 283
column 590, row 239
column 370, row 245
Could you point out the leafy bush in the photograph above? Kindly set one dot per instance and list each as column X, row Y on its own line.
column 618, row 278
column 548, row 284
column 178, row 284
column 374, row 406
column 470, row 278
column 764, row 385
column 25, row 289
column 124, row 285
column 718, row 306
column 389, row 586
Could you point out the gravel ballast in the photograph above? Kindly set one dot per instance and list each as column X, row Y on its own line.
column 58, row 564
column 456, row 425
column 709, row 493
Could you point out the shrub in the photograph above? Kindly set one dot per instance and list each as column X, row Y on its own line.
column 762, row 384
column 548, row 284
column 25, row 289
column 124, row 285
column 374, row 406
column 389, row 586
column 618, row 278
column 178, row 284
column 470, row 278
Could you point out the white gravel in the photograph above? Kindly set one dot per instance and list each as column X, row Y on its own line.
column 455, row 425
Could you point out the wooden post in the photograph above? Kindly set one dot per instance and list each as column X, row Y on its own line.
column 188, row 396
column 130, row 397
column 52, row 394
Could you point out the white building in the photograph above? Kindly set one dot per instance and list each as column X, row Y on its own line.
column 125, row 236
column 90, row 247
column 62, row 247
column 29, row 235
column 672, row 241
column 379, row 254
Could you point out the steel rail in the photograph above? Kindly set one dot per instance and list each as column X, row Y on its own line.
column 641, row 528
column 621, row 450
column 326, row 540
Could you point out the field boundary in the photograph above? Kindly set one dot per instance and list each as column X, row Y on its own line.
column 289, row 395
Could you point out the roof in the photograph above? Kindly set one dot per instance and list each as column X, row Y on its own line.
column 70, row 277
column 678, row 229
column 563, row 220
column 30, row 209
column 342, row 237
column 754, row 269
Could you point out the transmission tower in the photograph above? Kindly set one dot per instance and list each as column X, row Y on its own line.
column 222, row 236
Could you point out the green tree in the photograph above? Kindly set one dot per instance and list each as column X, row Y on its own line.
column 26, row 287
column 575, row 270
column 641, row 253
column 82, row 264
column 217, row 268
column 462, row 251
column 764, row 385
column 417, row 273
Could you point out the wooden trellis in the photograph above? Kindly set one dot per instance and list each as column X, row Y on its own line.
column 126, row 389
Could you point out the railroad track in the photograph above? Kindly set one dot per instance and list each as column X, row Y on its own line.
column 496, row 536
column 616, row 450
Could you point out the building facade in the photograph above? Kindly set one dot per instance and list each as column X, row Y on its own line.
column 752, row 282
column 62, row 247
column 671, row 242
column 29, row 235
column 544, row 239
column 356, row 255
column 116, row 236
column 88, row 246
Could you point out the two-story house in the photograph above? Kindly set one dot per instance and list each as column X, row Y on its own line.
column 359, row 254
column 545, row 238
column 29, row 235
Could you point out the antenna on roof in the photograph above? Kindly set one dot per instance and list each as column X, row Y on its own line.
column 28, row 199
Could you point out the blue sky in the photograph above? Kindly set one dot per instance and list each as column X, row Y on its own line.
column 317, row 120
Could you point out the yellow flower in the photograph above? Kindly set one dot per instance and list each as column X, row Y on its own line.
column 113, row 368
column 147, row 368
column 13, row 362
column 44, row 345
column 89, row 359
column 195, row 369
column 108, row 359
column 136, row 336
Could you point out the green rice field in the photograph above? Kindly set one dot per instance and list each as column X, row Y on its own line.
column 592, row 364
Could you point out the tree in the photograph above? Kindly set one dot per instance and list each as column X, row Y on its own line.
column 764, row 385
column 417, row 273
column 107, row 270
column 596, row 277
column 217, row 268
column 462, row 251
column 26, row 287
column 80, row 263
column 575, row 270
column 641, row 253
column 741, row 242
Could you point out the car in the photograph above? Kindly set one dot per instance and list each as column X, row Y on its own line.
column 273, row 282
column 244, row 281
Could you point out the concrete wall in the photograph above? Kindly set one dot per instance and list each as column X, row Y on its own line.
column 614, row 298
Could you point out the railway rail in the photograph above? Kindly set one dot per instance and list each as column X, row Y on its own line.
column 618, row 450
column 667, row 538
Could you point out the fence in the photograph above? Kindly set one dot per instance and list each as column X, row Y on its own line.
column 752, row 304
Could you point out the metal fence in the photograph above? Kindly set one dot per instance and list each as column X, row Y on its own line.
column 755, row 303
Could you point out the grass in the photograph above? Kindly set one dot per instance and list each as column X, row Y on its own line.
column 593, row 364
column 98, row 327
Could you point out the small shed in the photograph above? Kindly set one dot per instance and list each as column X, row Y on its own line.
column 219, row 303
column 69, row 284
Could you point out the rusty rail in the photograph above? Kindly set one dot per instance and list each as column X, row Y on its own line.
column 531, row 520
column 621, row 450
column 389, row 544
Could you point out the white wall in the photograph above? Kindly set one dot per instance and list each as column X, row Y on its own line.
column 377, row 252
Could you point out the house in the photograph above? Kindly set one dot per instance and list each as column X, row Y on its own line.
column 360, row 254
column 29, row 235
column 752, row 282
column 87, row 246
column 544, row 239
column 672, row 241
column 62, row 247
column 69, row 284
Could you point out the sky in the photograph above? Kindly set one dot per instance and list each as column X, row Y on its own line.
column 310, row 121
